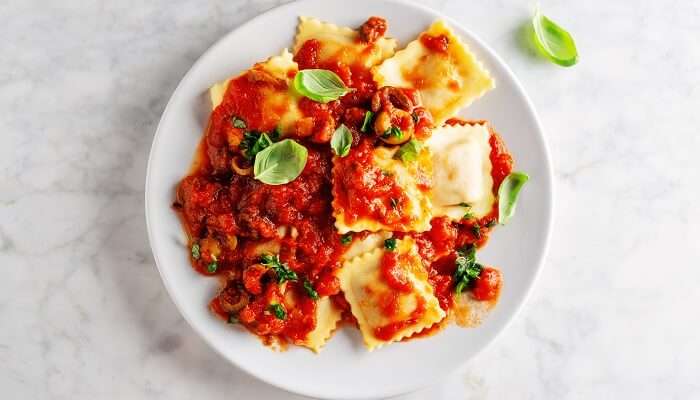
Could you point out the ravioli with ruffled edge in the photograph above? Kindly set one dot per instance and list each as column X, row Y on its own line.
column 447, row 74
column 389, row 294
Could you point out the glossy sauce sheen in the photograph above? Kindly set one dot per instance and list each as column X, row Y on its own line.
column 229, row 216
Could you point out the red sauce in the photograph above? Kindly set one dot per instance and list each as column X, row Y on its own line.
column 390, row 330
column 438, row 44
column 373, row 29
column 363, row 190
column 392, row 272
column 488, row 285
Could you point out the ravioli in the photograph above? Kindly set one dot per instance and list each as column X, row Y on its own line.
column 385, row 314
column 327, row 317
column 373, row 191
column 339, row 43
column 447, row 81
column 461, row 170
column 263, row 95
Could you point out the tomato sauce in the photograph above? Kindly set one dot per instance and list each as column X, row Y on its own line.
column 438, row 44
column 363, row 190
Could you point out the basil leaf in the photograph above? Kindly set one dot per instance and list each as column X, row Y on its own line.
column 341, row 141
column 367, row 123
column 390, row 244
column 554, row 41
column 320, row 85
column 253, row 144
column 280, row 163
column 409, row 151
column 508, row 195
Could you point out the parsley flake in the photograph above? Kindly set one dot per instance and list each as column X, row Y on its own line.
column 310, row 289
column 278, row 310
column 281, row 269
column 390, row 244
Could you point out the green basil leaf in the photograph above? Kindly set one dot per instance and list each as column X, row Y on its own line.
column 508, row 195
column 280, row 163
column 554, row 41
column 252, row 144
column 341, row 141
column 320, row 85
column 390, row 244
column 367, row 123
column 409, row 151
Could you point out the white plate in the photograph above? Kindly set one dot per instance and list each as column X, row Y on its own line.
column 344, row 369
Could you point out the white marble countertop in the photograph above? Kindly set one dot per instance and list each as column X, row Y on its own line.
column 83, row 313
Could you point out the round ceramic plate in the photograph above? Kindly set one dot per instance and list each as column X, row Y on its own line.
column 344, row 369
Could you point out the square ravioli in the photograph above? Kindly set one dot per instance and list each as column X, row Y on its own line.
column 441, row 67
column 262, row 96
column 373, row 191
column 462, row 167
column 342, row 44
column 389, row 294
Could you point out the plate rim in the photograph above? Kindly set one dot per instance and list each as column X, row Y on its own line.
column 548, row 181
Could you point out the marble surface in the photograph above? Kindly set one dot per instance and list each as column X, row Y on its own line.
column 83, row 313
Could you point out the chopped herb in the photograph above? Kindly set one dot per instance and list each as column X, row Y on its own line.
column 387, row 173
column 491, row 223
column 346, row 239
column 476, row 230
column 367, row 122
column 468, row 215
column 212, row 267
column 409, row 151
column 196, row 251
column 390, row 244
column 463, row 204
column 278, row 310
column 281, row 270
column 238, row 123
column 467, row 269
column 415, row 117
column 252, row 144
column 232, row 319
column 310, row 289
column 393, row 131
column 394, row 202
